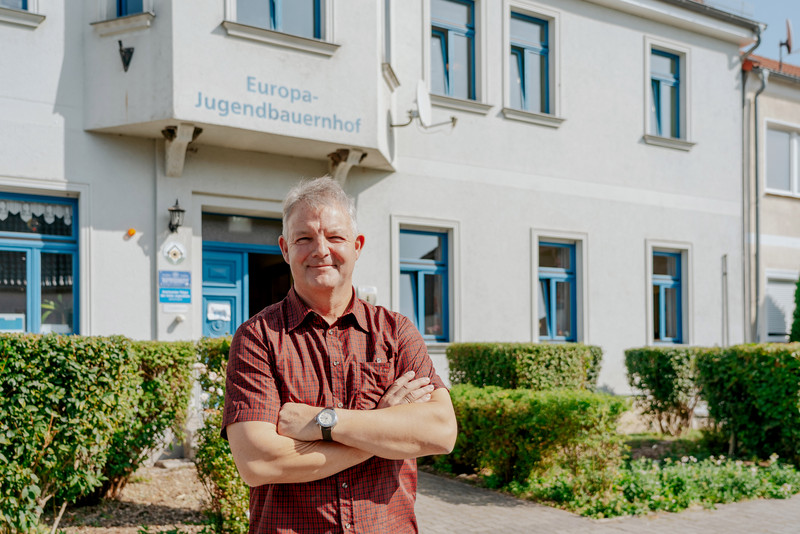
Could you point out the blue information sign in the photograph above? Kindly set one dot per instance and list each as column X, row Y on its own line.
column 174, row 279
column 174, row 295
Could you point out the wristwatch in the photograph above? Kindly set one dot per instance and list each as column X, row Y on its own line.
column 327, row 419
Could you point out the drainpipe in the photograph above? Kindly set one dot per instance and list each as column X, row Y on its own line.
column 764, row 73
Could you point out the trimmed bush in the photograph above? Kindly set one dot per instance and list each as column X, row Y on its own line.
column 164, row 384
column 665, row 378
column 753, row 393
column 516, row 434
column 62, row 399
column 538, row 366
column 794, row 334
column 215, row 466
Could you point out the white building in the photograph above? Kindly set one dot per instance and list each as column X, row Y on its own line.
column 590, row 190
column 772, row 131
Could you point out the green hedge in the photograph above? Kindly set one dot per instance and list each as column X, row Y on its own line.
column 78, row 415
column 515, row 434
column 164, row 384
column 215, row 467
column 665, row 380
column 538, row 366
column 61, row 401
column 753, row 393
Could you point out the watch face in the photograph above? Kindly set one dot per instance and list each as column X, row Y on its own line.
column 325, row 418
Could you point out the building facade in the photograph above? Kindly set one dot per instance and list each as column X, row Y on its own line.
column 549, row 170
column 772, row 133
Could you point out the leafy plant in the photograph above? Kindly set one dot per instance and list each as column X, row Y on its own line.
column 665, row 380
column 215, row 467
column 538, row 366
column 794, row 334
column 753, row 395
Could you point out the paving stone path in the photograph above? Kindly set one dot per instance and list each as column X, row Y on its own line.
column 446, row 506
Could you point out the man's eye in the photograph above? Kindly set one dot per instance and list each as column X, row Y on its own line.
column 302, row 240
column 337, row 238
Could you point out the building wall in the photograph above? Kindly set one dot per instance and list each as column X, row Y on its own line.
column 73, row 122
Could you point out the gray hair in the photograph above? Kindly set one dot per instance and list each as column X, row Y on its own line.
column 318, row 192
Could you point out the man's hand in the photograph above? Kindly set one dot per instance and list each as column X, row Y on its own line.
column 298, row 421
column 407, row 390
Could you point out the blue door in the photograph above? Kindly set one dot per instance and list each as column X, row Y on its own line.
column 223, row 292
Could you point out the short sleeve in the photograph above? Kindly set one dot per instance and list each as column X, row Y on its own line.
column 250, row 391
column 413, row 353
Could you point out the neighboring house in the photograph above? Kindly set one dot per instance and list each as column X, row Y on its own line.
column 772, row 133
column 589, row 191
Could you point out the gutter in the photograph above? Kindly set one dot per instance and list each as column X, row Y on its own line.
column 716, row 13
column 764, row 74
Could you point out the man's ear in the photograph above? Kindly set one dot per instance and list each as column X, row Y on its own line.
column 284, row 246
column 359, row 244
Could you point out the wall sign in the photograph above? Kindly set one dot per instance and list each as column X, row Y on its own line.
column 174, row 287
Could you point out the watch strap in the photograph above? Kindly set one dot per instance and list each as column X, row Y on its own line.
column 326, row 433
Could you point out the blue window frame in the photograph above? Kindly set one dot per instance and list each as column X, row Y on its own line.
column 529, row 64
column 296, row 17
column 667, row 298
column 453, row 48
column 129, row 7
column 424, row 282
column 15, row 4
column 38, row 264
column 665, row 96
column 557, row 292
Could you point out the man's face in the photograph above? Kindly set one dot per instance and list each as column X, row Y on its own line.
column 320, row 248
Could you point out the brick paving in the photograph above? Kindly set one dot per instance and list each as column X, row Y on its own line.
column 445, row 506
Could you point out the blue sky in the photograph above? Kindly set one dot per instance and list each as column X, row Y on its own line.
column 774, row 13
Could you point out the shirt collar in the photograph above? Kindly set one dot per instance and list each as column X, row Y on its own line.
column 297, row 311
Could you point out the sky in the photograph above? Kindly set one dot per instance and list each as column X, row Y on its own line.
column 774, row 13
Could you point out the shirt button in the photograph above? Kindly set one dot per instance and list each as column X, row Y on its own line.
column 347, row 526
column 339, row 405
column 378, row 360
column 344, row 485
column 335, row 364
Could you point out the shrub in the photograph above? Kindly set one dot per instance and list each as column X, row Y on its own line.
column 215, row 467
column 665, row 378
column 539, row 366
column 513, row 435
column 62, row 399
column 753, row 393
column 794, row 334
column 163, row 387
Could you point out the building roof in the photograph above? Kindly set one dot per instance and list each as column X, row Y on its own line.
column 785, row 71
column 699, row 6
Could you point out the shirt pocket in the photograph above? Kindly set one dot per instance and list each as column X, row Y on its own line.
column 374, row 379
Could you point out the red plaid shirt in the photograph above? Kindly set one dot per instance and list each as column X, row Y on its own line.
column 288, row 353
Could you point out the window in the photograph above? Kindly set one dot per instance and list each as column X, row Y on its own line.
column 22, row 5
column 665, row 94
column 779, row 305
column 38, row 264
column 529, row 64
column 297, row 17
column 782, row 170
column 557, row 292
column 667, row 298
column 129, row 7
column 453, row 48
column 424, row 282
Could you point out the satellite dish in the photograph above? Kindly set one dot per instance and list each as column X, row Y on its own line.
column 423, row 104
column 423, row 111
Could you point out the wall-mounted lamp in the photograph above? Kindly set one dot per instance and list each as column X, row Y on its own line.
column 175, row 217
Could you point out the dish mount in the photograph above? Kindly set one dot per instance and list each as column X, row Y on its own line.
column 423, row 111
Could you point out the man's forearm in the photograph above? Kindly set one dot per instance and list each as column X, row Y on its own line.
column 404, row 431
column 264, row 457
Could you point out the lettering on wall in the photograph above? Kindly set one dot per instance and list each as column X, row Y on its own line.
column 282, row 106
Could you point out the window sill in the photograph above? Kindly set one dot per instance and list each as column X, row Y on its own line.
column 262, row 35
column 126, row 24
column 784, row 194
column 668, row 142
column 20, row 17
column 542, row 119
column 471, row 106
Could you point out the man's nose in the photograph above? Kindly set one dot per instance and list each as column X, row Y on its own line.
column 321, row 246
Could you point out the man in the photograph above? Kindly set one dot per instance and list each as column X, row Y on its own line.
column 329, row 400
